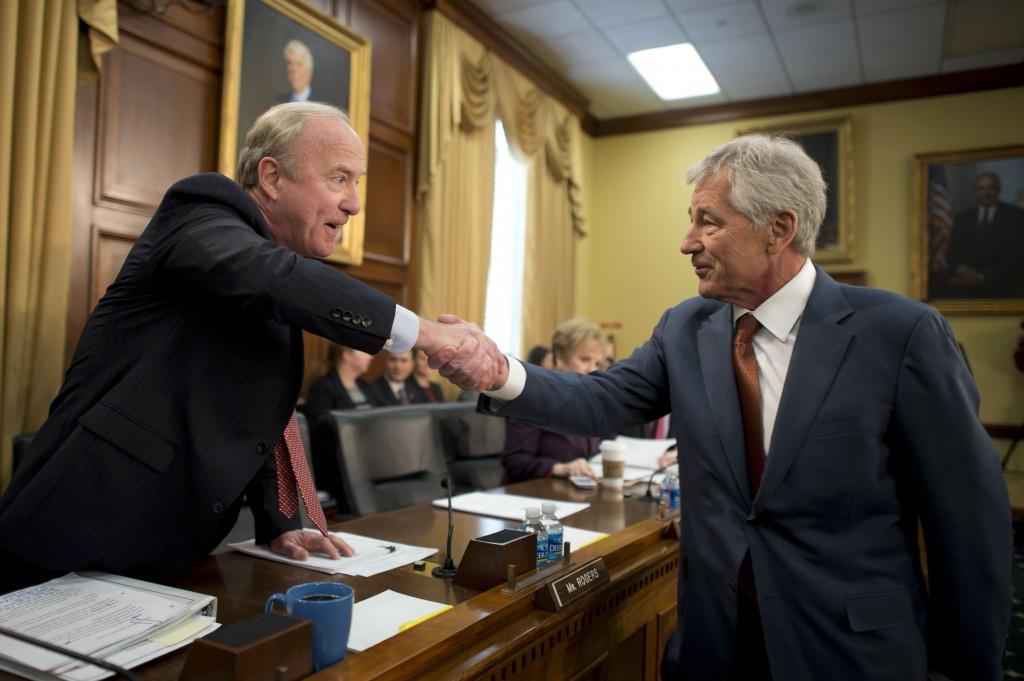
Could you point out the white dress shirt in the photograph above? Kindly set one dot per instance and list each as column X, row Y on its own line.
column 773, row 346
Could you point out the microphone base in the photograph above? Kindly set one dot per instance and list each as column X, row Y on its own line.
column 444, row 572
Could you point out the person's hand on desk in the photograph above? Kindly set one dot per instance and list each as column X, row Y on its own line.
column 667, row 458
column 574, row 468
column 461, row 352
column 298, row 544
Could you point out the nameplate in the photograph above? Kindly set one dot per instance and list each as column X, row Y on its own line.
column 574, row 585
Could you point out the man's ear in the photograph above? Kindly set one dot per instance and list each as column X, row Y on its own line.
column 269, row 176
column 782, row 230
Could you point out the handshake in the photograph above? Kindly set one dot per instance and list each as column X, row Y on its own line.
column 461, row 352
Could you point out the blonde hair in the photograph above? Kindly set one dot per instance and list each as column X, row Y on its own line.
column 573, row 333
column 273, row 134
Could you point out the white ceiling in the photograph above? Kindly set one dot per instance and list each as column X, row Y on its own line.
column 760, row 48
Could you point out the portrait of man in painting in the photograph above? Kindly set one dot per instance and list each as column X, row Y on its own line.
column 284, row 61
column 975, row 229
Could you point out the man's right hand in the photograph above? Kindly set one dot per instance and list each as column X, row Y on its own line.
column 461, row 352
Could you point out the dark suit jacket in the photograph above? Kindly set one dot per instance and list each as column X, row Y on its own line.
column 184, row 378
column 386, row 397
column 995, row 250
column 531, row 452
column 876, row 430
column 328, row 394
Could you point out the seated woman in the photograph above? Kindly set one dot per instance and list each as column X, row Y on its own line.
column 533, row 452
column 341, row 387
column 421, row 373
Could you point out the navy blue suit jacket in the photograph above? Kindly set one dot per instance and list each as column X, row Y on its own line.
column 876, row 430
column 183, row 380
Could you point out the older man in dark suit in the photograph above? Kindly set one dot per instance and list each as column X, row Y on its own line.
column 180, row 397
column 818, row 424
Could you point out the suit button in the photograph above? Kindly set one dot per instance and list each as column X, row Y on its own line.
column 261, row 448
column 218, row 507
column 336, row 312
column 357, row 319
column 367, row 321
column 346, row 316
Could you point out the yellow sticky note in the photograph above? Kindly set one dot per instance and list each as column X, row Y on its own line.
column 181, row 631
column 412, row 623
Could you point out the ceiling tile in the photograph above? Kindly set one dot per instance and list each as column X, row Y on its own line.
column 748, row 50
column 625, row 99
column 611, row 72
column 681, row 6
column 982, row 60
column 751, row 81
column 901, row 24
column 906, row 59
column 831, row 36
column 581, row 48
column 787, row 13
column 547, row 20
column 719, row 23
column 824, row 71
column 604, row 13
column 498, row 6
column 646, row 34
column 861, row 7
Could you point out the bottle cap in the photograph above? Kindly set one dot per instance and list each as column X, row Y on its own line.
column 548, row 507
column 532, row 513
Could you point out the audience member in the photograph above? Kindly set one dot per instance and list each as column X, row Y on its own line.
column 342, row 387
column 422, row 373
column 534, row 452
column 396, row 385
column 541, row 356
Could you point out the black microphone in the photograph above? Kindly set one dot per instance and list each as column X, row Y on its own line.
column 447, row 571
column 647, row 495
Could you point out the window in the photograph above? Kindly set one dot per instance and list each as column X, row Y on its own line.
column 503, row 308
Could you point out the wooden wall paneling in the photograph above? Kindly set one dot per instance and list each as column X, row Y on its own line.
column 158, row 123
column 83, row 161
column 389, row 204
column 112, row 235
column 392, row 30
column 177, row 25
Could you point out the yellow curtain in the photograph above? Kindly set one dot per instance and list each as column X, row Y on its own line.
column 465, row 87
column 38, row 76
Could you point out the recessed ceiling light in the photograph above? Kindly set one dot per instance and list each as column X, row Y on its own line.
column 674, row 71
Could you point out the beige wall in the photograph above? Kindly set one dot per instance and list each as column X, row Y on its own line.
column 629, row 269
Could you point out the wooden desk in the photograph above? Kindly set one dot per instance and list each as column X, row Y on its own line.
column 617, row 633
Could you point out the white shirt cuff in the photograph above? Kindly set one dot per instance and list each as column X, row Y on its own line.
column 513, row 387
column 404, row 331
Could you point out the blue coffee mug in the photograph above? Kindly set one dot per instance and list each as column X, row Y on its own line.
column 329, row 606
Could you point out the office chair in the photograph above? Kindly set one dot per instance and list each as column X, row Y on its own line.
column 474, row 443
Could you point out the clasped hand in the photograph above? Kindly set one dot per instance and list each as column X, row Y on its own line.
column 461, row 352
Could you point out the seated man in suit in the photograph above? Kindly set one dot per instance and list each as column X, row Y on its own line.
column 535, row 452
column 181, row 394
column 396, row 386
column 818, row 424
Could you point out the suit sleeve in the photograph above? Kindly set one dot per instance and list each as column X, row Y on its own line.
column 262, row 495
column 965, row 511
column 223, row 258
column 522, row 458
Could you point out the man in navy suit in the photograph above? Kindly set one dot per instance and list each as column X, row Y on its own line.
column 808, row 453
column 188, row 370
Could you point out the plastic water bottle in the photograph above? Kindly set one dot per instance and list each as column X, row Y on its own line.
column 534, row 525
column 555, row 532
column 670, row 488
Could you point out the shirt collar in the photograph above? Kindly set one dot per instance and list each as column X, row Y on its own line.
column 780, row 313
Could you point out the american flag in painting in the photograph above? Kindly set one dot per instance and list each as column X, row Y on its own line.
column 940, row 219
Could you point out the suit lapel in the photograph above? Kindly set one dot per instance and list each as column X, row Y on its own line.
column 714, row 343
column 820, row 347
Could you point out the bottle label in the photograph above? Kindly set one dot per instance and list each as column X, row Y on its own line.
column 554, row 546
column 542, row 549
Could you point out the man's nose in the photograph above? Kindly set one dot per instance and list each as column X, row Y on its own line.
column 691, row 244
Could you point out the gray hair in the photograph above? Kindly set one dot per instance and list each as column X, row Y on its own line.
column 299, row 48
column 767, row 175
column 273, row 134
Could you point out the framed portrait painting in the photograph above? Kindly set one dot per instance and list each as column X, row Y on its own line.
column 968, row 252
column 830, row 144
column 284, row 50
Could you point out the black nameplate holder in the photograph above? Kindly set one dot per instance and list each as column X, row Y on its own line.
column 581, row 581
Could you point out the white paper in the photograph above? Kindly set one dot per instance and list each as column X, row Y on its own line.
column 640, row 452
column 579, row 537
column 372, row 556
column 378, row 618
column 510, row 506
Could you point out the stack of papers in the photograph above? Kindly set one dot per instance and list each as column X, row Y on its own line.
column 641, row 458
column 372, row 557
column 123, row 621
column 510, row 506
column 382, row 616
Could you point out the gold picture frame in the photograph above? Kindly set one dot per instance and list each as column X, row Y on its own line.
column 830, row 143
column 968, row 252
column 259, row 44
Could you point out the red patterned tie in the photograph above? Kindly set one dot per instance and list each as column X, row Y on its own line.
column 292, row 472
column 749, row 387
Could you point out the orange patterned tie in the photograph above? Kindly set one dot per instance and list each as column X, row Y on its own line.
column 292, row 472
column 749, row 387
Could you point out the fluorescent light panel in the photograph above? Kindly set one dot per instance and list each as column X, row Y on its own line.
column 674, row 71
